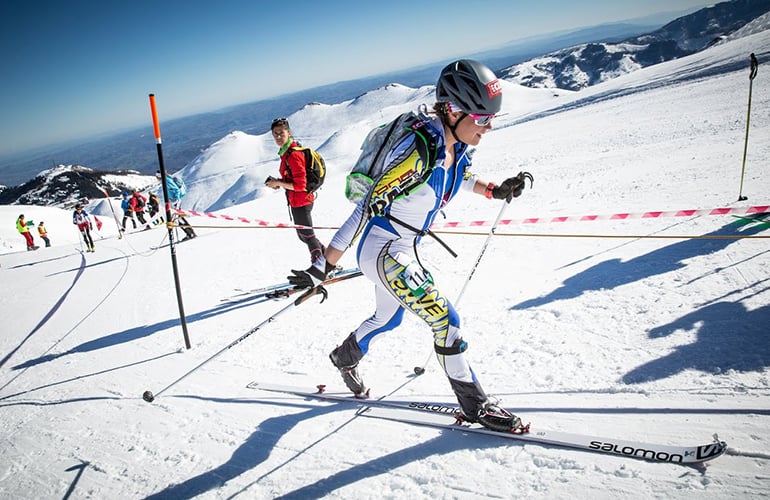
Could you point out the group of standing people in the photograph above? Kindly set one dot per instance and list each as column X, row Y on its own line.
column 133, row 208
column 80, row 218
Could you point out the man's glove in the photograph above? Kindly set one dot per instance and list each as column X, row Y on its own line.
column 512, row 187
column 312, row 276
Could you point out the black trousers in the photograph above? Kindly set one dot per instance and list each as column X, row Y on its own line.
column 302, row 217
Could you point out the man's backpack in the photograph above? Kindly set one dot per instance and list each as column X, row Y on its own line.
column 315, row 168
column 370, row 166
column 181, row 186
column 139, row 201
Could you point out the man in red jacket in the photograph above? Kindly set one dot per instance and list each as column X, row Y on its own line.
column 294, row 181
column 137, row 203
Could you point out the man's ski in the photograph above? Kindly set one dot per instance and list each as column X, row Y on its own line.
column 286, row 289
column 442, row 415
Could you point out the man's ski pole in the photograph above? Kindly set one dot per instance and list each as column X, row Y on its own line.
column 150, row 397
column 752, row 75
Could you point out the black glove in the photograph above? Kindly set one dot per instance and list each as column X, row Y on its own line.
column 512, row 187
column 270, row 178
column 312, row 276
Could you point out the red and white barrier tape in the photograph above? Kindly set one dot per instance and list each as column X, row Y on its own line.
column 529, row 220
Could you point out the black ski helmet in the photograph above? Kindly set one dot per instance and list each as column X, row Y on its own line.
column 470, row 85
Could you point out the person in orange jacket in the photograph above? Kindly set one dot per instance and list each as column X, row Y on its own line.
column 43, row 232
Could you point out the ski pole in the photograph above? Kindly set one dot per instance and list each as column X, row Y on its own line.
column 752, row 75
column 114, row 215
column 419, row 370
column 150, row 397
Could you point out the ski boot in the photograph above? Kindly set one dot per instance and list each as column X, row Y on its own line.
column 497, row 418
column 476, row 407
column 346, row 357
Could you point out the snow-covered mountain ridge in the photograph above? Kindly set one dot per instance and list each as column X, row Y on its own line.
column 584, row 65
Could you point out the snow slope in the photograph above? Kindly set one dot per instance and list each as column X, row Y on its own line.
column 652, row 329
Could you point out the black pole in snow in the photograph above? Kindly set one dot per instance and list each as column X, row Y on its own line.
column 752, row 75
column 156, row 126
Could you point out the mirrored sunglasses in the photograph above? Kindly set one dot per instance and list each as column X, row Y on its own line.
column 481, row 120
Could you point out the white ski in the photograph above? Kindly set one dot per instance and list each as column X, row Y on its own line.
column 282, row 290
column 441, row 415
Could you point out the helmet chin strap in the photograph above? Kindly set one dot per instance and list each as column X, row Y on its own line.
column 453, row 128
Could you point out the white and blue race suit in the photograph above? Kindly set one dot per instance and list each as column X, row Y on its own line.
column 387, row 246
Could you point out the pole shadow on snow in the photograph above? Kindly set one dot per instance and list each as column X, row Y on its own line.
column 729, row 337
column 50, row 313
column 614, row 272
column 258, row 447
column 136, row 333
column 81, row 377
column 44, row 261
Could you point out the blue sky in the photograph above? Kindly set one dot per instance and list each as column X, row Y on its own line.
column 73, row 69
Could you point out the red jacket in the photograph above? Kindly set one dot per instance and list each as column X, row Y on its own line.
column 293, row 170
column 134, row 202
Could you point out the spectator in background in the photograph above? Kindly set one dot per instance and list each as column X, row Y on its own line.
column 154, row 203
column 43, row 232
column 23, row 227
column 128, row 212
column 137, row 202
column 81, row 219
column 176, row 191
column 294, row 181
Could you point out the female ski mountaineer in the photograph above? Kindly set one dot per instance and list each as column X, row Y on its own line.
column 468, row 95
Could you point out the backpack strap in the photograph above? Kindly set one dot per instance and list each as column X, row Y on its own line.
column 421, row 233
column 391, row 129
column 291, row 150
